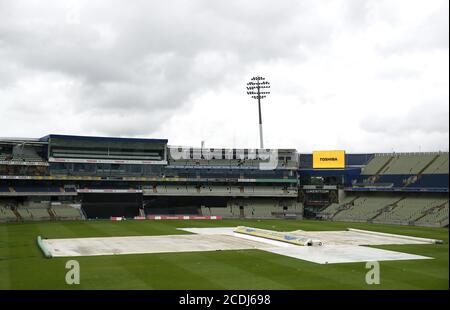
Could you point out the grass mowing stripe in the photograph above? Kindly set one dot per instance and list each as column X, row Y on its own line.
column 303, row 274
column 246, row 269
column 109, row 272
column 173, row 271
column 5, row 273
column 266, row 270
column 224, row 268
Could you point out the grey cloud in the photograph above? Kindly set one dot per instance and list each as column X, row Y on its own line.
column 150, row 60
column 357, row 12
column 427, row 118
column 430, row 34
column 137, row 63
column 156, row 28
column 129, row 124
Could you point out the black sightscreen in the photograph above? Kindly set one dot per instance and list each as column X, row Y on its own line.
column 111, row 204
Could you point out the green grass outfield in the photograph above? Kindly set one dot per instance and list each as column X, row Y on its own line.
column 22, row 265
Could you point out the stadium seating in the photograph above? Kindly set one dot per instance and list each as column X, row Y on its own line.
column 333, row 208
column 34, row 211
column 206, row 211
column 226, row 190
column 439, row 166
column 261, row 211
column 256, row 208
column 66, row 212
column 39, row 211
column 412, row 170
column 6, row 215
column 364, row 208
column 39, row 214
column 329, row 211
column 272, row 209
column 409, row 210
column 225, row 212
column 25, row 214
column 436, row 215
column 21, row 157
column 402, row 208
column 408, row 163
column 374, row 166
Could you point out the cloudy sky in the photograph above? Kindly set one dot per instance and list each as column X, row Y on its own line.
column 359, row 75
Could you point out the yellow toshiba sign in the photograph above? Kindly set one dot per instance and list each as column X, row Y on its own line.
column 328, row 159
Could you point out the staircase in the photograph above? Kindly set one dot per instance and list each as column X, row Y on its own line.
column 83, row 214
column 141, row 212
column 419, row 175
column 389, row 207
column 430, row 211
column 375, row 178
column 52, row 214
column 338, row 211
column 17, row 214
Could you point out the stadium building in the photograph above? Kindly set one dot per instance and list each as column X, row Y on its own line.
column 394, row 188
column 79, row 177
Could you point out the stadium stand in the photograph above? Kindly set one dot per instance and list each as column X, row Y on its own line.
column 376, row 164
column 391, row 209
column 225, row 212
column 408, row 163
column 151, row 177
column 439, row 166
column 409, row 210
column 24, row 214
column 329, row 211
column 39, row 214
column 26, row 155
column 334, row 208
column 435, row 217
column 263, row 211
column 6, row 214
column 363, row 209
column 412, row 170
column 257, row 209
column 66, row 212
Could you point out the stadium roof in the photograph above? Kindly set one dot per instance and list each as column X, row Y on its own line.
column 17, row 140
column 93, row 138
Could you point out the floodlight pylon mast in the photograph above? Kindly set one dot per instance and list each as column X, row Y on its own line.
column 255, row 88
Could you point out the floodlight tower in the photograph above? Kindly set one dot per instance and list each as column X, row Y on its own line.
column 257, row 88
